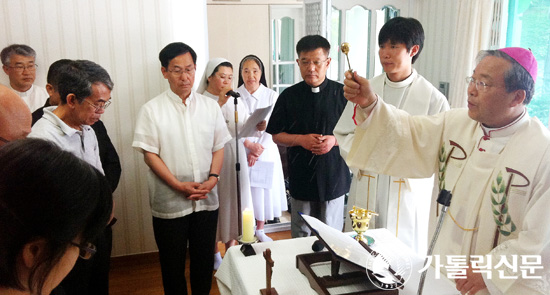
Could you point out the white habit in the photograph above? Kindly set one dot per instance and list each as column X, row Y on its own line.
column 228, row 222
column 402, row 203
column 268, row 202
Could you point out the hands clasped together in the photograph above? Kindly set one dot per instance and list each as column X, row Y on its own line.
column 318, row 144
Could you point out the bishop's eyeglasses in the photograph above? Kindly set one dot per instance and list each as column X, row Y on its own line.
column 480, row 85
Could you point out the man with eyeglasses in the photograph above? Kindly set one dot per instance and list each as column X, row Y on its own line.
column 107, row 152
column 85, row 92
column 303, row 120
column 15, row 120
column 18, row 62
column 402, row 204
column 494, row 159
column 181, row 135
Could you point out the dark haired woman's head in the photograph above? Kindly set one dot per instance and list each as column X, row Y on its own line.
column 50, row 202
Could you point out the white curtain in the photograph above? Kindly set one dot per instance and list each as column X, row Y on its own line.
column 473, row 34
column 124, row 37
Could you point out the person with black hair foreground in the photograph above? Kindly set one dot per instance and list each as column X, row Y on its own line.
column 303, row 120
column 85, row 92
column 181, row 134
column 494, row 159
column 402, row 204
column 52, row 205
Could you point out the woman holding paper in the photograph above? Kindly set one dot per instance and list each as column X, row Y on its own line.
column 266, row 169
column 216, row 82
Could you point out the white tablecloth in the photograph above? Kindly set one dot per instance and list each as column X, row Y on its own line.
column 240, row 275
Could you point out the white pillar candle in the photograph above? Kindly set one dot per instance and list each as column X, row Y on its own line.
column 248, row 226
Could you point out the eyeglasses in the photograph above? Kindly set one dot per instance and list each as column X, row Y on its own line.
column 104, row 106
column 21, row 68
column 85, row 251
column 480, row 85
column 177, row 71
column 306, row 63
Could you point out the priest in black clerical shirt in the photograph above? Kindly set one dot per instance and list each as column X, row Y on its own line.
column 303, row 120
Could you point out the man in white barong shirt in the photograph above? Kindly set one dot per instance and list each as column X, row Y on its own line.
column 494, row 159
column 18, row 62
column 402, row 203
column 182, row 134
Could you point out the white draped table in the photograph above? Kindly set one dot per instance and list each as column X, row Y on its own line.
column 240, row 275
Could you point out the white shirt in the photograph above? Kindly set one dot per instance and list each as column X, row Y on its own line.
column 184, row 137
column 35, row 97
column 82, row 144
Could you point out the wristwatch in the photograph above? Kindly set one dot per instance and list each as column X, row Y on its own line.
column 215, row 175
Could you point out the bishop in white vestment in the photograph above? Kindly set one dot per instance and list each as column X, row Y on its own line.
column 493, row 157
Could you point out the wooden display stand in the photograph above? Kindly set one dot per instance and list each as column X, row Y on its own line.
column 322, row 284
column 358, row 276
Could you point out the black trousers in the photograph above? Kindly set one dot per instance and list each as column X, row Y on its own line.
column 90, row 277
column 172, row 235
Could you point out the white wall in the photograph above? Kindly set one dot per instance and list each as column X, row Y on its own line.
column 235, row 31
column 125, row 37
column 438, row 19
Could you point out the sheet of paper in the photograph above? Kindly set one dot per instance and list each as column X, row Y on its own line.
column 249, row 128
column 261, row 174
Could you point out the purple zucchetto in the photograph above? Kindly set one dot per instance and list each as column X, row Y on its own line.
column 525, row 58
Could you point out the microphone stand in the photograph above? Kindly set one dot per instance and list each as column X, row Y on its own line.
column 444, row 199
column 238, row 168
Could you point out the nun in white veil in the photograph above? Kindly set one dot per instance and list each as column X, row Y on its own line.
column 215, row 83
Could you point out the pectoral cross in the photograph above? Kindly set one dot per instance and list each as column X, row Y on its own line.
column 400, row 181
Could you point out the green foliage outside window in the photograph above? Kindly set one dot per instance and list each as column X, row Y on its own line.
column 529, row 27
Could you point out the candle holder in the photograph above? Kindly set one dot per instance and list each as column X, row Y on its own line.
column 360, row 219
column 246, row 247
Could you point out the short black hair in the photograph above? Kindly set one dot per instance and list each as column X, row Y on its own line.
column 46, row 194
column 403, row 30
column 53, row 72
column 173, row 50
column 78, row 77
column 312, row 42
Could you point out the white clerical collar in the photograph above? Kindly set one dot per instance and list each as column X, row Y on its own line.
column 320, row 87
column 403, row 83
column 508, row 129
